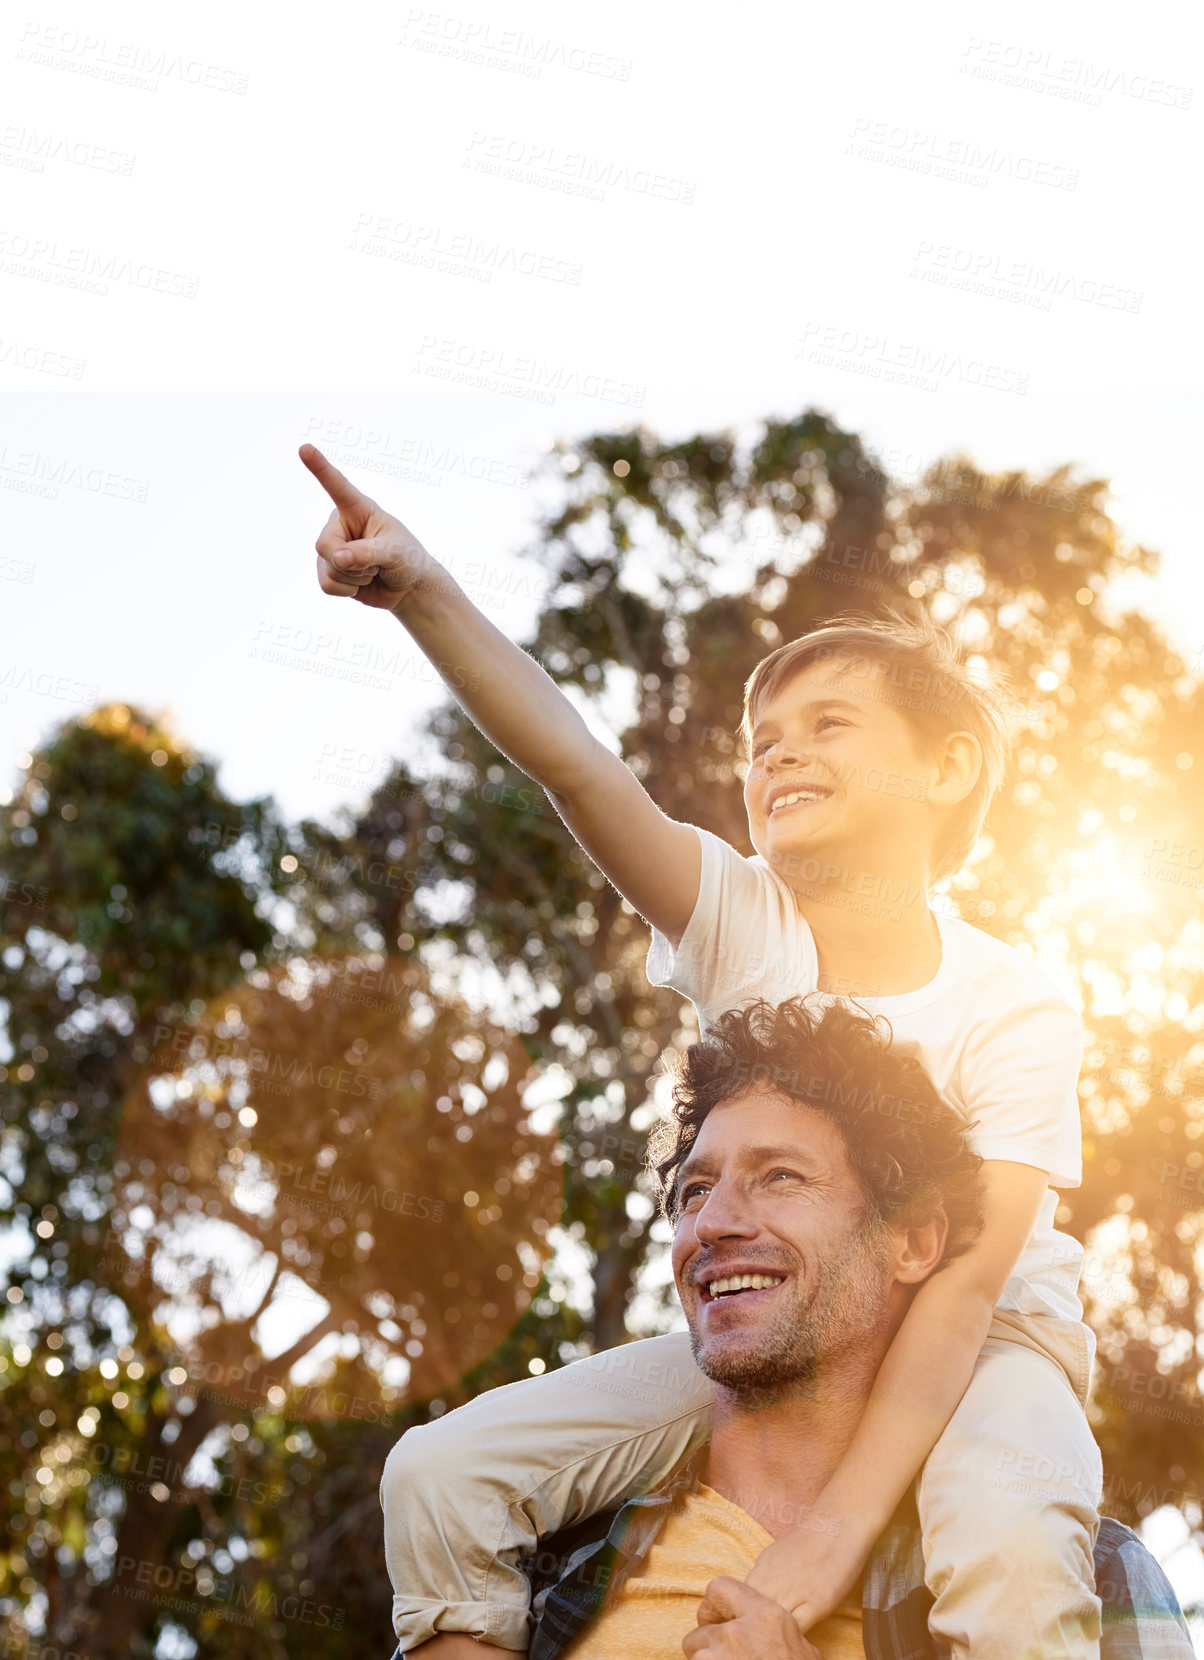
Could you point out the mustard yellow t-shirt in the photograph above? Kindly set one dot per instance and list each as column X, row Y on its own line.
column 647, row 1617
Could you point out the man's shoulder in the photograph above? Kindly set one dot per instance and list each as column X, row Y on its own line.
column 1141, row 1616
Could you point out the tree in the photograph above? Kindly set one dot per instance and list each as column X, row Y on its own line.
column 115, row 917
column 269, row 1172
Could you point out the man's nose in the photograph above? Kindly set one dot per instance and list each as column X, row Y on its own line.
column 725, row 1213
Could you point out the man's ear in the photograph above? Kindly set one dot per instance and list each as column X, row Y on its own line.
column 919, row 1249
column 958, row 766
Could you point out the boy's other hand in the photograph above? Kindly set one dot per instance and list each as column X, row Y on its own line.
column 363, row 552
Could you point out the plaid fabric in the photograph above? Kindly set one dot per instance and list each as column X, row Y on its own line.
column 574, row 1572
column 1142, row 1618
column 564, row 1601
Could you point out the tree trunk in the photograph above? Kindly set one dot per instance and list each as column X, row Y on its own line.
column 613, row 1272
column 121, row 1609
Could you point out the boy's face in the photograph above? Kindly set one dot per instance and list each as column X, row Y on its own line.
column 836, row 775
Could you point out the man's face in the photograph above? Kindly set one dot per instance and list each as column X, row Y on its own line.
column 835, row 766
column 768, row 1190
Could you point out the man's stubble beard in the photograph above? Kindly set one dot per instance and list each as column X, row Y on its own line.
column 848, row 1300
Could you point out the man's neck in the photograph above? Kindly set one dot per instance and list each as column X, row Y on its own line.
column 773, row 1458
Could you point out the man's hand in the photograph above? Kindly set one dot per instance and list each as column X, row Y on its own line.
column 738, row 1623
column 808, row 1573
column 363, row 552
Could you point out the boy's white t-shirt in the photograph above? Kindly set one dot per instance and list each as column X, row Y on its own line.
column 997, row 1038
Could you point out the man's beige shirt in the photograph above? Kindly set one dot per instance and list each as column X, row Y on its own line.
column 647, row 1617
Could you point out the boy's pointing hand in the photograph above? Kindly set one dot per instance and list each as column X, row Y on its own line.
column 363, row 552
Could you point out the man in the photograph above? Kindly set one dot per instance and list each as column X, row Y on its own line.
column 814, row 1179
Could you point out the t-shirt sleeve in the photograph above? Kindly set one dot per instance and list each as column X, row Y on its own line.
column 741, row 935
column 1020, row 1075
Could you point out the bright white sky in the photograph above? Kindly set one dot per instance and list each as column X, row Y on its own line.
column 668, row 202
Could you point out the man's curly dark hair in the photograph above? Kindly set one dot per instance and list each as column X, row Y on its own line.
column 908, row 1146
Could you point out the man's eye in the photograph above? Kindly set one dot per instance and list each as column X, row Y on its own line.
column 787, row 1175
column 692, row 1191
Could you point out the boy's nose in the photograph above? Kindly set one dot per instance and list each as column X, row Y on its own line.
column 784, row 754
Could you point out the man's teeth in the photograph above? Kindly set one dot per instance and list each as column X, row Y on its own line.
column 744, row 1282
column 797, row 795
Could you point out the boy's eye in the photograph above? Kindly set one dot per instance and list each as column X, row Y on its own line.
column 829, row 720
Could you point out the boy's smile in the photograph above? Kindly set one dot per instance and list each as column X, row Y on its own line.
column 782, row 797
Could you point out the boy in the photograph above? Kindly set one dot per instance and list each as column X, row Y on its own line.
column 872, row 758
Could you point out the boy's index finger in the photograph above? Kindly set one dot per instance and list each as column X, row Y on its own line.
column 339, row 488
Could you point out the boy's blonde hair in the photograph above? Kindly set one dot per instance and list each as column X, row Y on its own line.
column 925, row 675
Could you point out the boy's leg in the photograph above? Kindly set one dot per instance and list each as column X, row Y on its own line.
column 1008, row 1503
column 465, row 1496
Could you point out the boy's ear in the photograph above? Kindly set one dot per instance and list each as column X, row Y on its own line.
column 959, row 764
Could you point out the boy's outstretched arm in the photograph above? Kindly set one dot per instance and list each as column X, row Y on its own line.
column 919, row 1384
column 366, row 554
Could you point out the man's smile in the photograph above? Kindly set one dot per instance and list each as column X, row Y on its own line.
column 736, row 1284
column 742, row 1282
